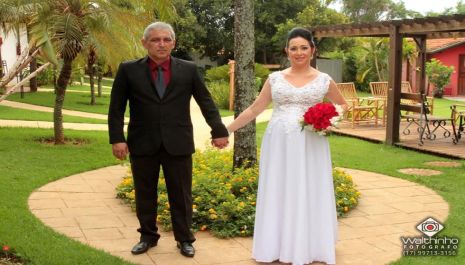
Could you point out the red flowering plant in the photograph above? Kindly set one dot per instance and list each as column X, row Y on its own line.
column 320, row 117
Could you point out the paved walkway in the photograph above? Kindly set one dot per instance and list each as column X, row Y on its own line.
column 84, row 207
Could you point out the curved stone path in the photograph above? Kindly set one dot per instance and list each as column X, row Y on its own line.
column 84, row 207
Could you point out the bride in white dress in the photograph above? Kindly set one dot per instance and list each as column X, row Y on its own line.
column 296, row 219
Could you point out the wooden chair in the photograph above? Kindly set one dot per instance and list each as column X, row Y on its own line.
column 458, row 117
column 379, row 90
column 360, row 109
column 419, row 114
column 406, row 88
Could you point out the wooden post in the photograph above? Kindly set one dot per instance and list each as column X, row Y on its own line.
column 395, row 78
column 421, row 61
column 231, row 84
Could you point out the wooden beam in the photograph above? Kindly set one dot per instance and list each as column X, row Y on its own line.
column 395, row 75
column 421, row 60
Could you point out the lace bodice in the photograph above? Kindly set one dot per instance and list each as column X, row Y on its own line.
column 290, row 103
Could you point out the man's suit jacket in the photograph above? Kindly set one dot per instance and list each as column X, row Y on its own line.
column 154, row 120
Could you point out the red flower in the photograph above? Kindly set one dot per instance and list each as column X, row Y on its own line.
column 6, row 248
column 320, row 116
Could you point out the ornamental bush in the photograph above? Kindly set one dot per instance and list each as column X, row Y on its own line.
column 224, row 201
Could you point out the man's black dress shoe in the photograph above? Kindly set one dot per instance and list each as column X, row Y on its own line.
column 142, row 247
column 186, row 249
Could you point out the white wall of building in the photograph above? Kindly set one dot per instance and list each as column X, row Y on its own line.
column 8, row 47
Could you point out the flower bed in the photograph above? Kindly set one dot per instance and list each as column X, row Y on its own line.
column 224, row 201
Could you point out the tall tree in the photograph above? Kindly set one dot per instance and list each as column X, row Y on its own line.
column 268, row 14
column 245, row 147
column 365, row 11
column 217, row 18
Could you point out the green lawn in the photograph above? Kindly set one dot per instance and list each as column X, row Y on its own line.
column 28, row 165
column 84, row 88
column 8, row 113
column 73, row 101
column 105, row 81
column 31, row 165
column 76, row 101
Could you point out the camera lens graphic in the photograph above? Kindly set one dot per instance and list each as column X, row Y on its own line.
column 430, row 226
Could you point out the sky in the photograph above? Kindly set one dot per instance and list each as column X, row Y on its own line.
column 424, row 6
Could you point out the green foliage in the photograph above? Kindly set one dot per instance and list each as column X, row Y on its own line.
column 218, row 82
column 220, row 73
column 438, row 74
column 46, row 77
column 346, row 194
column 313, row 15
column 363, row 11
column 220, row 93
column 224, row 201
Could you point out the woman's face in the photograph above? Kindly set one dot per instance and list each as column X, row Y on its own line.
column 299, row 51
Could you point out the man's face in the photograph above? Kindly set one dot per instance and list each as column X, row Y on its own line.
column 159, row 44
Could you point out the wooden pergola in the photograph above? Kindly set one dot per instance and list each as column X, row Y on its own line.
column 419, row 29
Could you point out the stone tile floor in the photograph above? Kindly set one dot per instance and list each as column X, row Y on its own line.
column 84, row 207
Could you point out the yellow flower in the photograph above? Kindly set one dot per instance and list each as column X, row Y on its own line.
column 346, row 209
column 213, row 216
column 241, row 204
column 211, row 210
column 194, row 206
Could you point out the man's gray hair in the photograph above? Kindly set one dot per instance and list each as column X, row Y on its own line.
column 159, row 26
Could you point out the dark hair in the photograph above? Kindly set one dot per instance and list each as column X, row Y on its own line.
column 300, row 32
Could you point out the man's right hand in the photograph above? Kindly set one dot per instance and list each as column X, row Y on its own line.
column 120, row 150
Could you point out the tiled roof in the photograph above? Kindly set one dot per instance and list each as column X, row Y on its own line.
column 436, row 45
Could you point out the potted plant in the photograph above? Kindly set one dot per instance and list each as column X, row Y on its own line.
column 438, row 75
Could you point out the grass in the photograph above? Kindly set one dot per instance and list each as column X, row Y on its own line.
column 77, row 101
column 105, row 81
column 8, row 113
column 352, row 153
column 28, row 165
column 73, row 101
column 83, row 88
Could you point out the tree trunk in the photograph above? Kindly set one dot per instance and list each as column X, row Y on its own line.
column 33, row 81
column 91, row 59
column 1, row 60
column 62, row 83
column 32, row 65
column 92, row 84
column 245, row 147
column 99, row 83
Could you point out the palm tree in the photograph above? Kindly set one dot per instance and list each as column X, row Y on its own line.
column 74, row 24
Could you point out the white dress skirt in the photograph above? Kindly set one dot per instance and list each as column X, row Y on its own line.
column 296, row 220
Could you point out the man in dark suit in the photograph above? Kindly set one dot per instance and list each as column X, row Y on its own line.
column 159, row 88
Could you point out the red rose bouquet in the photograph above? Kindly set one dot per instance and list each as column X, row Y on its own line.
column 320, row 117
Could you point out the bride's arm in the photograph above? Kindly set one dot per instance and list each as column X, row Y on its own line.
column 257, row 107
column 335, row 96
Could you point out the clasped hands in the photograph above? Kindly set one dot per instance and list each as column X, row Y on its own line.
column 120, row 150
column 220, row 142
